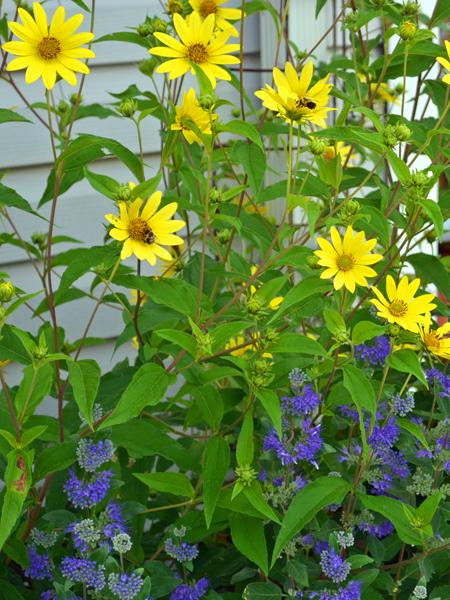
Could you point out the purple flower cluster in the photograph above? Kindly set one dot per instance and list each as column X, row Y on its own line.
column 305, row 448
column 403, row 406
column 82, row 570
column 125, row 587
column 111, row 520
column 380, row 531
column 352, row 591
column 434, row 376
column 40, row 567
column 190, row 592
column 375, row 353
column 304, row 402
column 182, row 552
column 86, row 494
column 333, row 566
column 91, row 456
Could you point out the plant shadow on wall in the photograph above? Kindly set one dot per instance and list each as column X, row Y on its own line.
column 282, row 430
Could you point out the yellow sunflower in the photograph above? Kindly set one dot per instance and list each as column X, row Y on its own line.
column 338, row 149
column 198, row 45
column 239, row 341
column 214, row 7
column 295, row 100
column 445, row 63
column 144, row 232
column 347, row 260
column 189, row 111
column 436, row 341
column 401, row 307
column 49, row 51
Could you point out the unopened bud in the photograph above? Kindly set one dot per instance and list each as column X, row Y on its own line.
column 246, row 474
column 39, row 240
column 148, row 66
column 350, row 21
column 215, row 196
column 393, row 330
column 402, row 132
column 159, row 25
column 313, row 262
column 144, row 29
column 223, row 236
column 124, row 193
column 390, row 136
column 317, row 146
column 175, row 7
column 7, row 291
column 254, row 305
column 206, row 101
column 40, row 352
column 407, row 30
column 63, row 107
column 410, row 9
column 236, row 113
column 419, row 179
column 128, row 107
column 76, row 99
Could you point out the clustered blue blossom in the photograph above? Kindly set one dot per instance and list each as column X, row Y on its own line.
column 182, row 551
column 195, row 591
column 434, row 376
column 40, row 567
column 86, row 494
column 382, row 440
column 307, row 446
column 82, row 570
column 375, row 353
column 125, row 587
column 304, row 402
column 379, row 531
column 352, row 591
column 112, row 520
column 91, row 456
column 403, row 406
column 334, row 566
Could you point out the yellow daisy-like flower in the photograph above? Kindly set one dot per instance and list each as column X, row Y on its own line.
column 237, row 341
column 339, row 149
column 49, row 51
column 295, row 100
column 384, row 92
column 189, row 111
column 145, row 232
column 347, row 259
column 436, row 341
column 198, row 45
column 169, row 268
column 214, row 7
column 445, row 63
column 401, row 307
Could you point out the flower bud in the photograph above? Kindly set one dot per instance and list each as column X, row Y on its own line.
column 206, row 101
column 63, row 107
column 410, row 9
column 431, row 236
column 317, row 146
column 350, row 21
column 390, row 136
column 393, row 330
column 145, row 29
column 175, row 6
column 271, row 335
column 223, row 236
column 39, row 240
column 159, row 25
column 76, row 99
column 148, row 66
column 341, row 337
column 128, row 107
column 124, row 193
column 215, row 196
column 254, row 305
column 407, row 30
column 246, row 474
column 313, row 262
column 7, row 291
column 40, row 352
column 236, row 113
column 402, row 132
column 419, row 179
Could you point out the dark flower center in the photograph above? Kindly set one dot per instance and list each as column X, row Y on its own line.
column 140, row 231
column 345, row 262
column 398, row 308
column 306, row 102
column 208, row 7
column 197, row 53
column 49, row 47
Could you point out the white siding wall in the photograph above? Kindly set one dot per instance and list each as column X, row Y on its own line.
column 25, row 156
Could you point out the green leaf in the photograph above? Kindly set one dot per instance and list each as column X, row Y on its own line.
column 172, row 483
column 430, row 268
column 432, row 210
column 216, row 462
column 262, row 591
column 310, row 286
column 399, row 167
column 105, row 185
column 406, row 361
column 305, row 505
column 11, row 199
column 84, row 377
column 209, row 402
column 55, row 458
column 29, row 435
column 255, row 496
column 253, row 161
column 147, row 387
column 243, row 128
column 145, row 189
column 6, row 116
column 35, row 385
column 245, row 447
column 366, row 330
column 363, row 396
column 394, row 510
column 296, row 343
column 14, row 344
column 17, row 480
column 247, row 535
column 334, row 321
column 426, row 511
column 180, row 338
column 319, row 5
column 415, row 430
column 271, row 403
